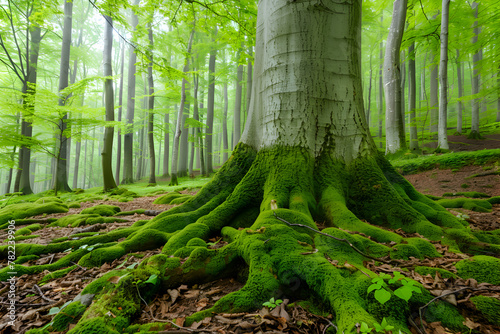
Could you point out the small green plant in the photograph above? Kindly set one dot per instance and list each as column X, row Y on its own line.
column 465, row 185
column 364, row 328
column 383, row 327
column 380, row 286
column 271, row 304
column 462, row 217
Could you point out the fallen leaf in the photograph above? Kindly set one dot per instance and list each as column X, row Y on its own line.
column 180, row 321
column 471, row 324
column 174, row 294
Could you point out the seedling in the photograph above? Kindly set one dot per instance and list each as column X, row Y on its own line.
column 382, row 295
column 271, row 304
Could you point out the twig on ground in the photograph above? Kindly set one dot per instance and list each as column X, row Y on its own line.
column 37, row 288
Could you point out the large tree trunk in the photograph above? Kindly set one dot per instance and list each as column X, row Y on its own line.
column 476, row 77
column 107, row 149
column 394, row 124
column 305, row 155
column 412, row 98
column 60, row 177
column 381, row 87
column 225, row 147
column 443, row 78
column 498, row 95
column 128, row 171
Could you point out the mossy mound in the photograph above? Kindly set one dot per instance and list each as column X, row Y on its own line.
column 469, row 194
column 482, row 268
column 69, row 314
column 477, row 205
column 414, row 247
column 489, row 307
column 23, row 210
column 28, row 229
column 102, row 210
column 494, row 200
column 74, row 205
column 48, row 199
column 83, row 219
column 167, row 198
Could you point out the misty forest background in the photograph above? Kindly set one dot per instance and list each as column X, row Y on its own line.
column 190, row 67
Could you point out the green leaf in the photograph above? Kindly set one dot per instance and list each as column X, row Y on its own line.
column 192, row 123
column 382, row 296
column 404, row 292
column 152, row 279
column 364, row 328
column 132, row 266
column 378, row 327
column 54, row 310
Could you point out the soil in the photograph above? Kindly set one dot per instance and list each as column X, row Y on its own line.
column 34, row 301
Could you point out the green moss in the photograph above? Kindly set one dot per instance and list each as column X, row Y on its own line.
column 23, row 210
column 470, row 194
column 432, row 271
column 128, row 213
column 77, row 220
column 25, row 237
column 196, row 242
column 483, row 268
column 96, row 325
column 28, row 229
column 26, row 258
column 489, row 307
column 102, row 210
column 167, row 198
column 416, row 247
column 181, row 238
column 58, row 274
column 469, row 204
column 49, row 199
column 74, row 205
column 38, row 331
column 57, row 240
column 494, row 200
column 67, row 315
column 432, row 197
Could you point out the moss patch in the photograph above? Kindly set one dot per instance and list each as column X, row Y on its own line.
column 483, row 268
column 489, row 307
column 23, row 210
column 102, row 210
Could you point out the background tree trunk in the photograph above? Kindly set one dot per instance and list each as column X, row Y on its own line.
column 60, row 177
column 434, row 101
column 394, row 126
column 460, row 94
column 151, row 103
column 381, row 87
column 412, row 98
column 128, row 171
column 210, row 105
column 237, row 101
column 225, row 147
column 120, row 109
column 443, row 78
column 476, row 77
column 107, row 149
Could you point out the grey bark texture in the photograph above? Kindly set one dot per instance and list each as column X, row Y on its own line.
column 394, row 125
column 107, row 148
column 412, row 98
column 443, row 78
column 210, row 106
column 460, row 94
column 476, row 77
column 151, row 104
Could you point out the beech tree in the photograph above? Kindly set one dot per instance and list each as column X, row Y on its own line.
column 443, row 78
column 305, row 155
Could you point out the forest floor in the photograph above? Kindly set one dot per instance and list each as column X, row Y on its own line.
column 35, row 301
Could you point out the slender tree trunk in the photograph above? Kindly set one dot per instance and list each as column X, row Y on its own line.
column 394, row 126
column 443, row 78
column 498, row 95
column 476, row 77
column 434, row 101
column 91, row 162
column 107, row 150
column 237, row 102
column 196, row 117
column 166, row 144
column 78, row 149
column 60, row 178
column 225, row 147
column 151, row 103
column 210, row 105
column 120, row 109
column 128, row 172
column 203, row 169
column 368, row 107
column 26, row 126
column 460, row 94
column 381, row 87
column 249, row 79
column 412, row 97
column 180, row 125
column 184, row 143
column 403, row 101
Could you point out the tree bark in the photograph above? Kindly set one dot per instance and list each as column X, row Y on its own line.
column 210, row 105
column 180, row 125
column 151, row 103
column 120, row 109
column 434, row 101
column 460, row 94
column 107, row 149
column 476, row 77
column 237, row 101
column 443, row 78
column 225, row 147
column 249, row 78
column 60, row 178
column 394, row 125
column 128, row 172
column 381, row 87
column 412, row 98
